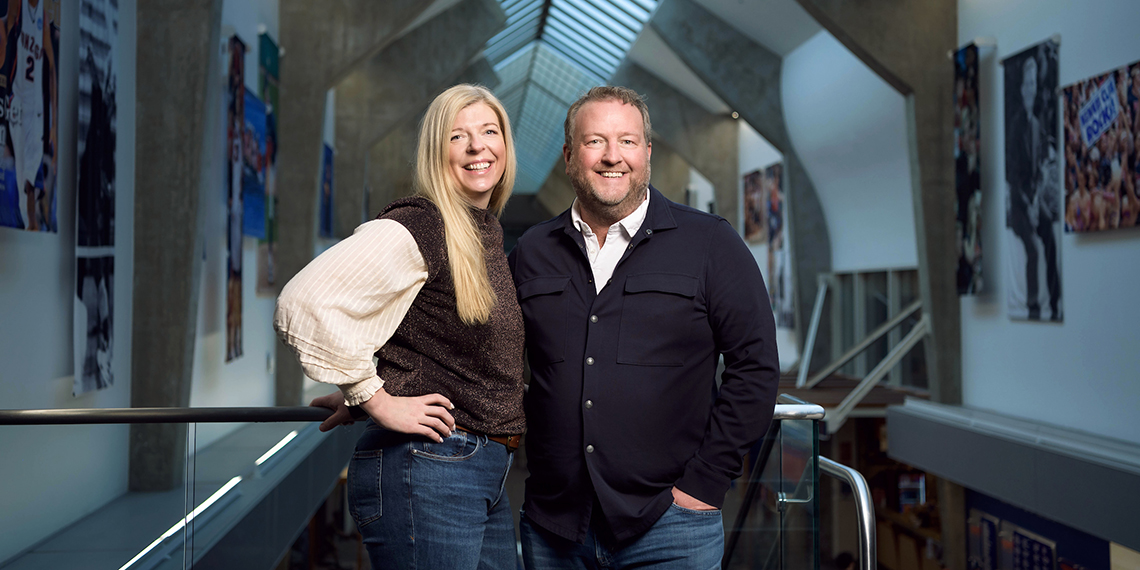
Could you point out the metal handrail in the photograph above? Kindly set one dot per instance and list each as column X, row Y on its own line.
column 862, row 345
column 238, row 415
column 163, row 415
column 864, row 509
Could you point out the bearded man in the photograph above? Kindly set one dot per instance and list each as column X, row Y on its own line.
column 629, row 301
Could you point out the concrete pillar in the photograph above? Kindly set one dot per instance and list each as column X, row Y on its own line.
column 746, row 76
column 395, row 84
column 391, row 159
column 174, row 73
column 323, row 42
column 906, row 44
column 710, row 143
column 670, row 172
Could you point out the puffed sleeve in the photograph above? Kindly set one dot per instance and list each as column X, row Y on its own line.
column 345, row 304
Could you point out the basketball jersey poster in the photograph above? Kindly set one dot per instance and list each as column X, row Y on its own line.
column 29, row 115
column 95, row 195
column 967, row 171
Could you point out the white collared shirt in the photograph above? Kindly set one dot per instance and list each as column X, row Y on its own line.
column 604, row 258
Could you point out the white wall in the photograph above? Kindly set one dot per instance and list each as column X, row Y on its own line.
column 56, row 474
column 1082, row 373
column 247, row 380
column 757, row 153
column 849, row 129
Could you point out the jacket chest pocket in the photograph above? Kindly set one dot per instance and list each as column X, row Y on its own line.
column 544, row 304
column 658, row 316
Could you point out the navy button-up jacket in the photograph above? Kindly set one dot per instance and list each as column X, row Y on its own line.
column 623, row 402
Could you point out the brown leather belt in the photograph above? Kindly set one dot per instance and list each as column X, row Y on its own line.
column 511, row 441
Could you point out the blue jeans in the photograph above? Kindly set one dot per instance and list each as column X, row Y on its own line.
column 425, row 505
column 682, row 539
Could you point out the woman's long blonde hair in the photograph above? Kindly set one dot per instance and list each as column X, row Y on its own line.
column 474, row 297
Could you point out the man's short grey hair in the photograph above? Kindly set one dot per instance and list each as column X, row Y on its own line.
column 608, row 93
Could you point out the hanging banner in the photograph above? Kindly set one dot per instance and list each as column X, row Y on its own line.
column 1033, row 184
column 29, row 117
column 967, row 176
column 755, row 208
column 267, row 58
column 1102, row 151
column 326, row 205
column 235, row 128
column 253, row 167
column 95, row 195
column 779, row 266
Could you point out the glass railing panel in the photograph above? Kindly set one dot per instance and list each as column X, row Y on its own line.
column 778, row 523
column 66, row 500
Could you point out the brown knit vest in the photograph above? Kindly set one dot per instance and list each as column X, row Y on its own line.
column 477, row 367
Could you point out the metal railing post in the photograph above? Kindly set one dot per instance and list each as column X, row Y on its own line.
column 864, row 507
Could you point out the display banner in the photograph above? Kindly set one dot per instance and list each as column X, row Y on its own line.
column 235, row 128
column 967, row 176
column 253, row 167
column 1102, row 151
column 755, row 208
column 95, row 195
column 1033, row 184
column 29, row 117
column 780, row 283
column 267, row 57
column 326, row 205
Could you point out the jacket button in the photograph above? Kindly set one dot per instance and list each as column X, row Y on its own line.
column 589, row 404
column 593, row 318
column 630, row 246
column 589, row 361
column 648, row 232
column 589, row 449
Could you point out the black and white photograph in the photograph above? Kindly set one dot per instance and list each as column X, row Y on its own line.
column 94, row 286
column 1033, row 184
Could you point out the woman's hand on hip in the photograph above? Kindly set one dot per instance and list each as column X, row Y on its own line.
column 428, row 415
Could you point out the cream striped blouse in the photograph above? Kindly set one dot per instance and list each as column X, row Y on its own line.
column 345, row 304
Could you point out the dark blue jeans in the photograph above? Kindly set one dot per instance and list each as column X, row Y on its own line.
column 425, row 505
column 682, row 539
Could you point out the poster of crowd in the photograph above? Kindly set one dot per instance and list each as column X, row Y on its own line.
column 967, row 175
column 29, row 115
column 326, row 200
column 94, row 307
column 235, row 133
column 1033, row 183
column 755, row 209
column 95, row 193
column 779, row 266
column 267, row 57
column 1102, row 151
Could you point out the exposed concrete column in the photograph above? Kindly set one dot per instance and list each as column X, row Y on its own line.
column 906, row 44
column 396, row 83
column 323, row 41
column 709, row 142
column 174, row 75
column 391, row 160
column 670, row 172
column 746, row 76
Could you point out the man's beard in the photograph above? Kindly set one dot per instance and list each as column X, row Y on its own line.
column 609, row 211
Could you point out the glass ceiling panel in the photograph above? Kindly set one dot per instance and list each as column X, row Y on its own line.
column 549, row 54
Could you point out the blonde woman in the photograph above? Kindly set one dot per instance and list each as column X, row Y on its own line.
column 426, row 288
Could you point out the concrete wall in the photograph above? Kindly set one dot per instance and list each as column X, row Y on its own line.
column 1080, row 373
column 849, row 128
column 54, row 481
